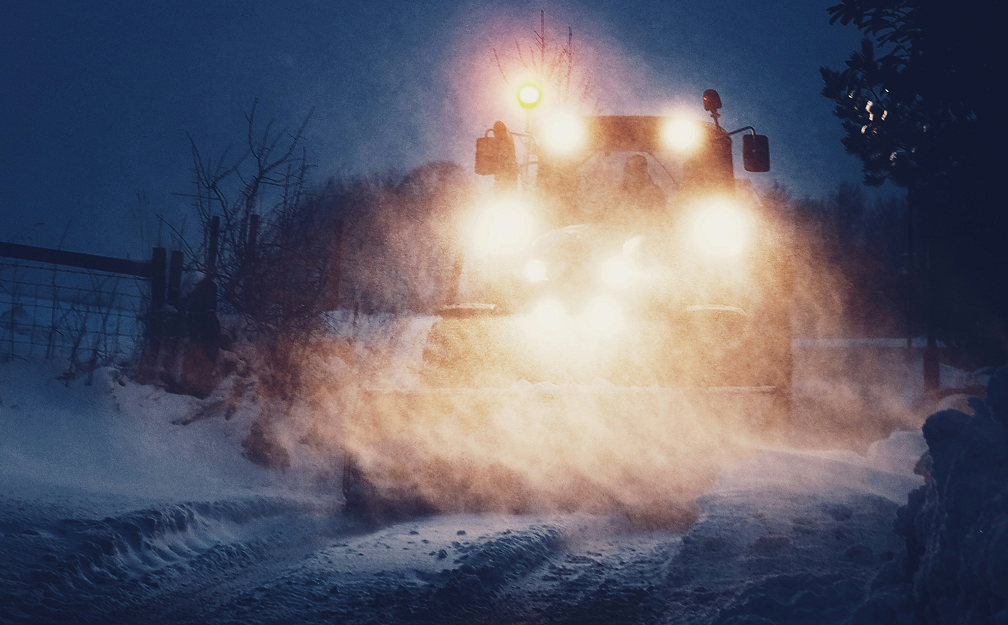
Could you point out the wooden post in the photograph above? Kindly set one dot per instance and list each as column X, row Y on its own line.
column 932, row 361
column 149, row 367
column 158, row 262
column 909, row 274
column 451, row 297
column 175, row 279
column 211, row 261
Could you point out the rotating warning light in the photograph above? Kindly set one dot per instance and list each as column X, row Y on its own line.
column 529, row 95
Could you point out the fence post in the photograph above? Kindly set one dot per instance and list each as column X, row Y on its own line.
column 149, row 366
column 158, row 258
column 211, row 261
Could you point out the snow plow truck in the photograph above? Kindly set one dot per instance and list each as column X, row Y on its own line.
column 622, row 311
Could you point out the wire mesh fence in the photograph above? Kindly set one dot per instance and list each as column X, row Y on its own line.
column 49, row 310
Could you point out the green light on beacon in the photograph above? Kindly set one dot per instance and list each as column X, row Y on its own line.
column 529, row 95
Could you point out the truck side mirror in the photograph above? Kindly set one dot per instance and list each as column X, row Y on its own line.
column 756, row 153
column 489, row 159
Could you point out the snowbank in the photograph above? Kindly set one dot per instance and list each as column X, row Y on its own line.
column 123, row 440
column 954, row 566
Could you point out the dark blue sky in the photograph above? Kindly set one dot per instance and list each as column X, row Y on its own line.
column 97, row 98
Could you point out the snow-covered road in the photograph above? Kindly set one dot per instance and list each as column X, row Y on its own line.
column 109, row 513
column 777, row 538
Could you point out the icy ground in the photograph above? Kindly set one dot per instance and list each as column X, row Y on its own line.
column 110, row 513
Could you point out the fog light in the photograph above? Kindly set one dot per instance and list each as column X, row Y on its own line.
column 549, row 314
column 604, row 316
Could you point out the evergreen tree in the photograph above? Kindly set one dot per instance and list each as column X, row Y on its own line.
column 917, row 103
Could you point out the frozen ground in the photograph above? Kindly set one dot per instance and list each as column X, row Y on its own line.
column 109, row 512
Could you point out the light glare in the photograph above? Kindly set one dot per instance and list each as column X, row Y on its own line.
column 563, row 133
column 549, row 315
column 604, row 316
column 535, row 270
column 618, row 272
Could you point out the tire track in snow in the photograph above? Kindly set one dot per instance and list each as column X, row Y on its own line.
column 338, row 584
column 85, row 569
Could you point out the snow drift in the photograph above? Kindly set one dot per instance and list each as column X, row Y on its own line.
column 954, row 566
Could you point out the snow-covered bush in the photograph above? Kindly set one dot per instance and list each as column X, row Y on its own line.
column 954, row 568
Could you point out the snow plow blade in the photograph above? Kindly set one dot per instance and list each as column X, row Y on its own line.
column 644, row 452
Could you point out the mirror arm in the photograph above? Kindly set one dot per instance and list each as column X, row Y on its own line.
column 530, row 147
column 742, row 129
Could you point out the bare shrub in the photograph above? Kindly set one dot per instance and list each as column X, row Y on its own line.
column 278, row 257
column 284, row 244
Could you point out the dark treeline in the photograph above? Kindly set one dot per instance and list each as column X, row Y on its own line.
column 851, row 265
column 920, row 108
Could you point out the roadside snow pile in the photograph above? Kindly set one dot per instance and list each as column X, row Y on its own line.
column 954, row 568
column 122, row 439
column 107, row 498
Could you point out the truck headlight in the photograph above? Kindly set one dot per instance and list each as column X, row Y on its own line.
column 681, row 135
column 721, row 228
column 505, row 227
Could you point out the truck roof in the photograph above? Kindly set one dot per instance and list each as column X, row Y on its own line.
column 632, row 133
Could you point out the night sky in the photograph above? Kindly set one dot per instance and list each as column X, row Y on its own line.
column 97, row 97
